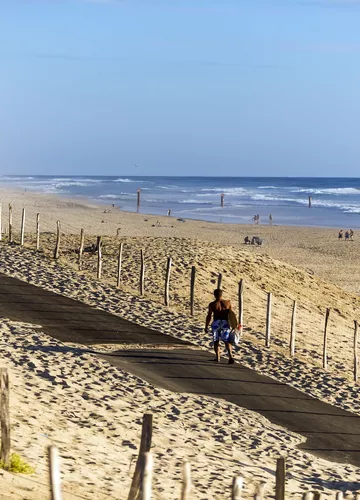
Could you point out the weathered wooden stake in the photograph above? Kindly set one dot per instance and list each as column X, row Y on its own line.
column 339, row 495
column 146, row 476
column 280, row 479
column 186, row 484
column 241, row 305
column 325, row 339
column 356, row 360
column 145, row 445
column 219, row 282
column 37, row 232
column 54, row 464
column 10, row 223
column 99, row 260
column 293, row 330
column 0, row 221
column 57, row 246
column 138, row 199
column 81, row 248
column 119, row 264
column 268, row 320
column 4, row 416
column 192, row 290
column 167, row 280
column 22, row 229
column 142, row 272
column 237, row 488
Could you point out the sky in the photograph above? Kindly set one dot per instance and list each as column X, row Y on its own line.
column 190, row 87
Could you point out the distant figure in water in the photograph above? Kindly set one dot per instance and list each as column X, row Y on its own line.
column 340, row 235
column 270, row 219
column 169, row 212
column 219, row 309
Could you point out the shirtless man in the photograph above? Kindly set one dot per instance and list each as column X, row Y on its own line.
column 220, row 325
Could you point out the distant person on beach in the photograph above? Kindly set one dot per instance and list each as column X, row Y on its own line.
column 351, row 235
column 247, row 240
column 270, row 219
column 169, row 212
column 340, row 235
column 347, row 235
column 219, row 310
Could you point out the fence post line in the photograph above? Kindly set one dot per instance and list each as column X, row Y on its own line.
column 119, row 264
column 4, row 416
column 146, row 476
column 99, row 259
column 10, row 223
column 145, row 445
column 241, row 304
column 268, row 320
column 219, row 282
column 280, row 479
column 356, row 360
column 37, row 232
column 237, row 488
column 81, row 248
column 325, row 339
column 22, row 229
column 186, row 484
column 54, row 466
column 0, row 221
column 57, row 246
column 192, row 290
column 167, row 280
column 142, row 272
column 293, row 330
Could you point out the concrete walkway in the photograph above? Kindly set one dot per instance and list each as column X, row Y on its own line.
column 331, row 433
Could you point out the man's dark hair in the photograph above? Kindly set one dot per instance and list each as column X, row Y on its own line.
column 218, row 293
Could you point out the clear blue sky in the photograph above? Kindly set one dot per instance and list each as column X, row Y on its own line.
column 180, row 87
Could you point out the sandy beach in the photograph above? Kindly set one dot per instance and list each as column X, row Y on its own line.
column 67, row 396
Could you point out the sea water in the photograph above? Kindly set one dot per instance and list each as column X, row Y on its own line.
column 335, row 201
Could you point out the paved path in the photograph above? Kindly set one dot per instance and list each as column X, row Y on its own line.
column 330, row 432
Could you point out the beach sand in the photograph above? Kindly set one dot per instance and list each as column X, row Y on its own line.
column 63, row 395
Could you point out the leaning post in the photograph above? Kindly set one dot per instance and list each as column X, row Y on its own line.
column 57, row 246
column 22, row 230
column 192, row 290
column 268, row 320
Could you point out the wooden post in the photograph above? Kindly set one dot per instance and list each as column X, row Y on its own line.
column 99, row 260
column 325, row 339
column 119, row 264
column 268, row 321
column 138, row 200
column 142, row 272
column 293, row 330
column 317, row 495
column 241, row 305
column 0, row 221
column 167, row 280
column 4, row 416
column 57, row 246
column 54, row 464
column 339, row 495
column 22, row 230
column 186, row 485
column 10, row 223
column 37, row 232
column 81, row 248
column 192, row 290
column 219, row 282
column 280, row 479
column 356, row 361
column 237, row 488
column 308, row 496
column 145, row 445
column 146, row 476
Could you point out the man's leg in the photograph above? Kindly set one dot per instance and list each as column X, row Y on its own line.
column 217, row 350
column 229, row 350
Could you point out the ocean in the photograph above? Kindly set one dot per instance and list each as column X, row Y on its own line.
column 335, row 201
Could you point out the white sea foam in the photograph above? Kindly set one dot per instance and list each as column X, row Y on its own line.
column 111, row 196
column 267, row 187
column 120, row 179
column 227, row 191
column 335, row 191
